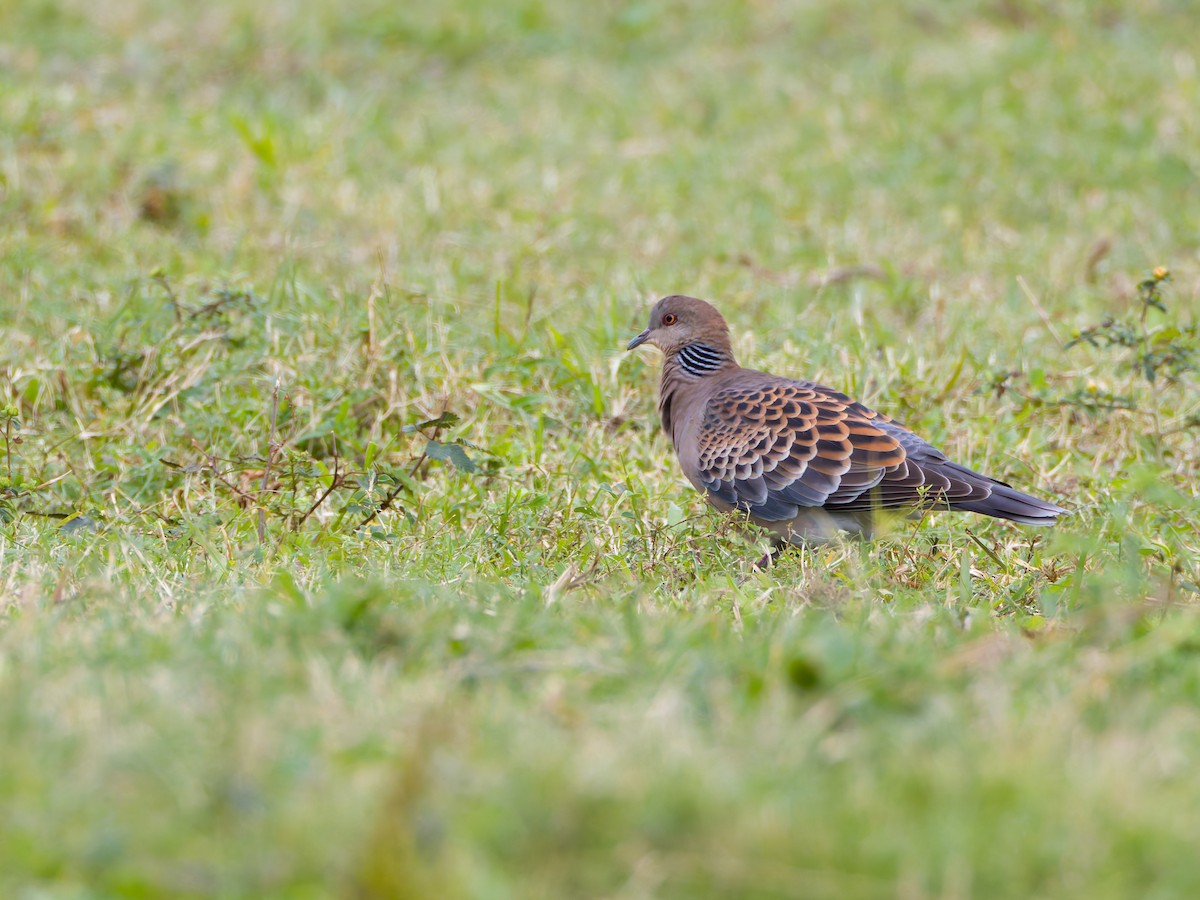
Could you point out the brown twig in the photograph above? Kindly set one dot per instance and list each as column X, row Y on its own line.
column 843, row 274
column 246, row 498
column 262, row 512
column 412, row 474
column 384, row 505
column 338, row 481
column 165, row 283
column 391, row 497
column 8, row 444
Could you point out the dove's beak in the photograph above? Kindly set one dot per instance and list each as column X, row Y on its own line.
column 639, row 340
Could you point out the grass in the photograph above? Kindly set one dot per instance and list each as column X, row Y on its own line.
column 341, row 555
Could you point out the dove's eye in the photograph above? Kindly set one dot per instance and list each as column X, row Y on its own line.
column 670, row 319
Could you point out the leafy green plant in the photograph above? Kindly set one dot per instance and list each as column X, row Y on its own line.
column 1152, row 351
column 1158, row 359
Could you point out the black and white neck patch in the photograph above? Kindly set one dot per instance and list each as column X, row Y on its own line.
column 700, row 359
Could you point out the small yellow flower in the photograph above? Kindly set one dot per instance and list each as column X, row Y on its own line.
column 1161, row 273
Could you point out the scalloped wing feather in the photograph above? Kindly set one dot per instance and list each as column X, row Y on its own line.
column 779, row 448
column 774, row 447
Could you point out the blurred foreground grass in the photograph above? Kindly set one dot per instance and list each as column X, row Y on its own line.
column 340, row 554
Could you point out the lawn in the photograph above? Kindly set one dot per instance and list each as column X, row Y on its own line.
column 341, row 554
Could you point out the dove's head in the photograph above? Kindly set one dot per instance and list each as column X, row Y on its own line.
column 677, row 321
